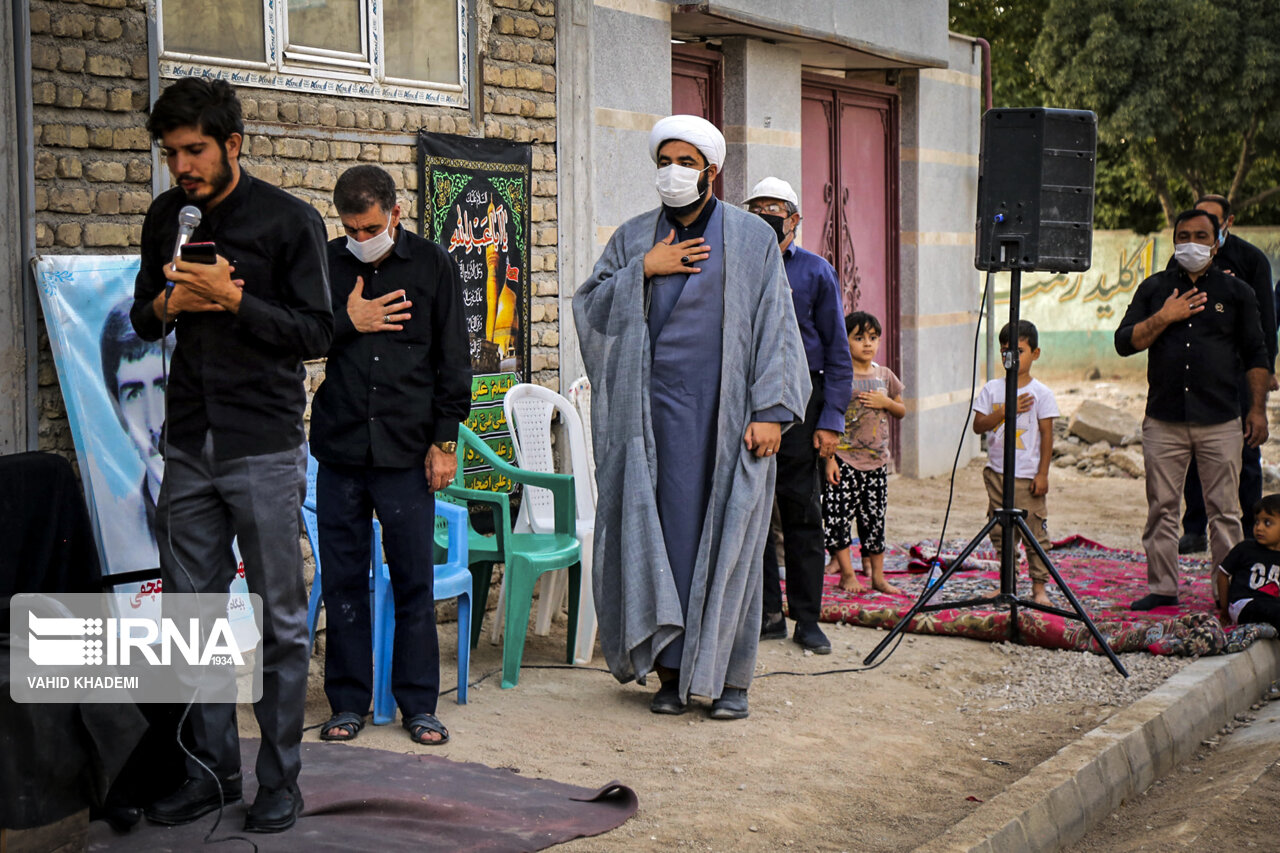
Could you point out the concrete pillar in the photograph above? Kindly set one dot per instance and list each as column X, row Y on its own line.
column 761, row 115
column 939, row 296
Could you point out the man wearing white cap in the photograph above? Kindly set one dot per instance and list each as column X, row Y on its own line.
column 696, row 365
column 815, row 291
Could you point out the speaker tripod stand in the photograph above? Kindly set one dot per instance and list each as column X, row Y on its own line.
column 1011, row 520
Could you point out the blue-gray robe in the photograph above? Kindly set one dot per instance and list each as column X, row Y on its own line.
column 762, row 365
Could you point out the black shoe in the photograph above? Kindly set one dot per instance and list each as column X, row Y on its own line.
column 195, row 799
column 667, row 699
column 274, row 809
column 121, row 819
column 1193, row 543
column 809, row 636
column 1151, row 600
column 774, row 627
column 732, row 705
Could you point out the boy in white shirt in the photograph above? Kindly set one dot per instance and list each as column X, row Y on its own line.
column 1036, row 410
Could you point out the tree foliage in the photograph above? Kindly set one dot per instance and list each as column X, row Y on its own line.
column 1186, row 91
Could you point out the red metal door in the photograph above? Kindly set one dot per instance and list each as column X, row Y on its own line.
column 849, row 175
column 697, row 87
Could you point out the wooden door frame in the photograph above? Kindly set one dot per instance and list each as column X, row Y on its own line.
column 887, row 100
column 701, row 61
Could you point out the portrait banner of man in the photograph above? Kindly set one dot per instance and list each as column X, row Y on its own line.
column 113, row 386
column 474, row 195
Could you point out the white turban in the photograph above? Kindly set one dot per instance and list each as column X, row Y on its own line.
column 695, row 130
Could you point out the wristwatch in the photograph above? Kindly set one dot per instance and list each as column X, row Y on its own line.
column 447, row 446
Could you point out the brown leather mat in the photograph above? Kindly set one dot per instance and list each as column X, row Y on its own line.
column 366, row 799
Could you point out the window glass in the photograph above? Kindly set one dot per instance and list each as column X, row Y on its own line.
column 421, row 40
column 326, row 24
column 229, row 28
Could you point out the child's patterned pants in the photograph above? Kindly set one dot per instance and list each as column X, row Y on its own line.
column 861, row 496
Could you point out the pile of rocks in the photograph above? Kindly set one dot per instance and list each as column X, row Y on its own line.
column 1099, row 441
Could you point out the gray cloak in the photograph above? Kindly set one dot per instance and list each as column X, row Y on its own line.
column 763, row 366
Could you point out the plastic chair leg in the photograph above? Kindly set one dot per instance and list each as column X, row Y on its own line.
column 584, row 646
column 481, row 576
column 384, row 629
column 575, row 581
column 519, row 601
column 464, row 647
column 313, row 608
column 551, row 592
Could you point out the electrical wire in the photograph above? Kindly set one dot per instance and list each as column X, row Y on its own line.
column 164, row 443
column 951, row 486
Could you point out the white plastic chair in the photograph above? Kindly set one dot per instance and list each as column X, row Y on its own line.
column 529, row 410
column 580, row 396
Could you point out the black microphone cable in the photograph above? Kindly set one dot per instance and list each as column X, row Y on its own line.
column 164, row 442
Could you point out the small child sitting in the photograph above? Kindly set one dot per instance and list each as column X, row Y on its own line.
column 857, row 477
column 1034, row 450
column 1248, row 581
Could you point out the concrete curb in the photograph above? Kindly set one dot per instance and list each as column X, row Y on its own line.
column 1055, row 804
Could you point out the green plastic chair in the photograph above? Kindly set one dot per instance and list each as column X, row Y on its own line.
column 525, row 555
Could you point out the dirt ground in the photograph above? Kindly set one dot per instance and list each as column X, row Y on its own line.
column 879, row 760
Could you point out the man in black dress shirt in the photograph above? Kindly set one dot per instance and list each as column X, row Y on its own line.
column 1249, row 264
column 235, row 454
column 384, row 426
column 1202, row 329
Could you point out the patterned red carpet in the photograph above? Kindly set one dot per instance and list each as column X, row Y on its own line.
column 1103, row 579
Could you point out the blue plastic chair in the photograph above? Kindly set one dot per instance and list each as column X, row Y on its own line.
column 311, row 526
column 448, row 583
column 452, row 580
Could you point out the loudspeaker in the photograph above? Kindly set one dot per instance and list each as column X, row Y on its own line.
column 1035, row 190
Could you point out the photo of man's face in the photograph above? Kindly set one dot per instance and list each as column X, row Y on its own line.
column 134, row 376
column 140, row 396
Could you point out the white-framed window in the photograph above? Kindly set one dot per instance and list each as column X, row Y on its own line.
column 399, row 50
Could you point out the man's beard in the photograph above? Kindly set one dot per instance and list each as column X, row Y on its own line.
column 219, row 182
column 685, row 209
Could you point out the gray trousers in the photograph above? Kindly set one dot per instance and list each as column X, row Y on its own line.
column 203, row 504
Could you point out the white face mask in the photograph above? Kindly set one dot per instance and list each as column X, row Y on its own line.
column 1192, row 257
column 373, row 248
column 678, row 185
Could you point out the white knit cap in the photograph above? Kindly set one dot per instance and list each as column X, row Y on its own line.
column 772, row 187
column 695, row 130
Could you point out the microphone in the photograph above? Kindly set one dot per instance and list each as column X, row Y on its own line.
column 188, row 221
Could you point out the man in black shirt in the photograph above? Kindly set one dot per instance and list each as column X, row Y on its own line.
column 384, row 426
column 1202, row 331
column 235, row 458
column 1248, row 263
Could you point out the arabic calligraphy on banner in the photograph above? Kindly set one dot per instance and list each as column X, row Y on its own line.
column 474, row 195
column 1088, row 300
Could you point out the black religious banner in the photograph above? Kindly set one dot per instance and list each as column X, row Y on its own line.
column 474, row 198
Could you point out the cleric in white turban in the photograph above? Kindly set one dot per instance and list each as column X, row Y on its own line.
column 696, row 131
column 689, row 337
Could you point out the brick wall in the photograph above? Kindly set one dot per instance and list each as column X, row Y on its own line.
column 93, row 156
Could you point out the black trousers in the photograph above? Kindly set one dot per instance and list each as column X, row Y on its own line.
column 1263, row 608
column 346, row 497
column 1195, row 518
column 798, row 491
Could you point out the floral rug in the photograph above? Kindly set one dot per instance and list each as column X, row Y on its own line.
column 1104, row 580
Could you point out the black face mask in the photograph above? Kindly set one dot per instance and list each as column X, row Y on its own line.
column 686, row 209
column 777, row 223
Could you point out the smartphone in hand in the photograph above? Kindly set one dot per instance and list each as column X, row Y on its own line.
column 199, row 253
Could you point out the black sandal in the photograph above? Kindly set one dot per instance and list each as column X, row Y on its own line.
column 348, row 724
column 420, row 724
